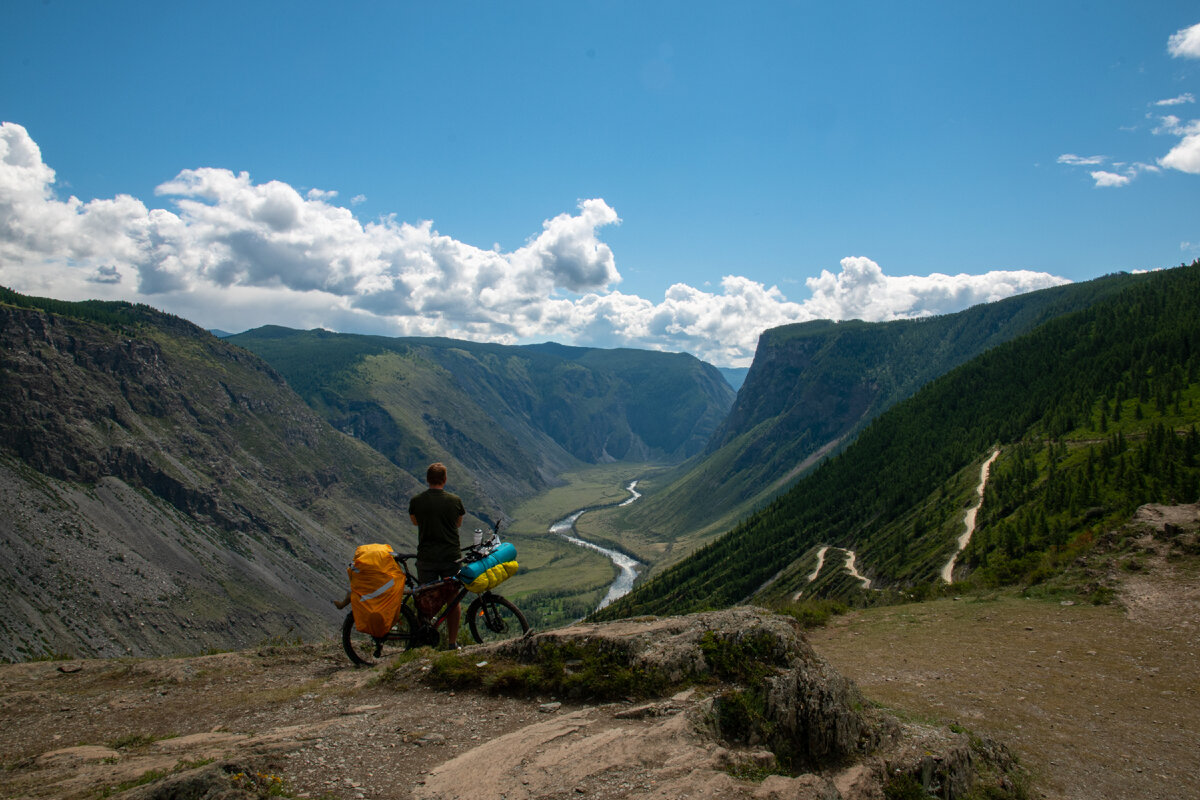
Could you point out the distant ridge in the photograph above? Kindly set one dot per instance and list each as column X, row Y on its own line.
column 736, row 376
column 507, row 419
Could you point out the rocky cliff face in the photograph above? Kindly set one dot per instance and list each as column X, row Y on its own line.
column 165, row 491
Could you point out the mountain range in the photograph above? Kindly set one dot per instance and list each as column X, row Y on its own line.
column 813, row 386
column 507, row 419
column 1092, row 413
column 167, row 490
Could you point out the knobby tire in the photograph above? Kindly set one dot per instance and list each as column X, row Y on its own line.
column 511, row 618
column 360, row 647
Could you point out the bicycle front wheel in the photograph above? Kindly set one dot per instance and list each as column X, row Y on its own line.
column 363, row 649
column 493, row 618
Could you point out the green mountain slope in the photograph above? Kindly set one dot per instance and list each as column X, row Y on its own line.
column 165, row 491
column 507, row 420
column 894, row 495
column 811, row 388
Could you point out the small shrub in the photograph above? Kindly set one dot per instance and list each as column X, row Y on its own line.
column 1012, row 784
column 132, row 741
column 743, row 659
column 261, row 784
column 522, row 680
column 741, row 716
column 905, row 787
column 578, row 670
column 452, row 671
column 814, row 613
column 754, row 772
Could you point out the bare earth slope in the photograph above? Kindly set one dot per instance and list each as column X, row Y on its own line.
column 162, row 491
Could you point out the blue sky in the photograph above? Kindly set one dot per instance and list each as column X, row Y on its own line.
column 667, row 175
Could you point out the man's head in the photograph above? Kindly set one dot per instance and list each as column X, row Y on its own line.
column 436, row 474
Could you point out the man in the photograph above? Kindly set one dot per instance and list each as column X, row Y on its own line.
column 438, row 515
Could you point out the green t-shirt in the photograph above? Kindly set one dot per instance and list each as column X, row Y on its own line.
column 437, row 512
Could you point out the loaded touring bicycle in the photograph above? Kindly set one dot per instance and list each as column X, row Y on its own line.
column 389, row 608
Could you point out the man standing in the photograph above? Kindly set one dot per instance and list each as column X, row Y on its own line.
column 438, row 515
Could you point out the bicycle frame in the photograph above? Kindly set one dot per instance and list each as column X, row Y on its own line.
column 437, row 621
column 411, row 587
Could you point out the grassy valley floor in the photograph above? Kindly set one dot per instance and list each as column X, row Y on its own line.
column 560, row 582
column 1098, row 701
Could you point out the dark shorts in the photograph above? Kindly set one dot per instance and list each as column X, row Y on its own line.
column 429, row 571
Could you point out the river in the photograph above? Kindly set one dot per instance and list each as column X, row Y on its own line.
column 627, row 568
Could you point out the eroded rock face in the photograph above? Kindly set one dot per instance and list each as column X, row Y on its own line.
column 817, row 715
column 792, row 699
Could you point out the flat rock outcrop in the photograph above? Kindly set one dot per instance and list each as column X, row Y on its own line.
column 713, row 698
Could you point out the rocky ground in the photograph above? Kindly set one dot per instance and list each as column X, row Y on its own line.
column 1097, row 702
column 299, row 721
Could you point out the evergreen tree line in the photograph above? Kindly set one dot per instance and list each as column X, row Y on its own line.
column 116, row 315
column 1050, row 497
column 108, row 313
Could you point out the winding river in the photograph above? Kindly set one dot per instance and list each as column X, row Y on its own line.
column 627, row 568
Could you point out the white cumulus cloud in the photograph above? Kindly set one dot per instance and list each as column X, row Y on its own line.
column 863, row 291
column 231, row 253
column 1104, row 179
column 1185, row 43
column 1178, row 100
column 1184, row 156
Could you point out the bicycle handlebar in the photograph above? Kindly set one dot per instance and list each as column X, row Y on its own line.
column 402, row 558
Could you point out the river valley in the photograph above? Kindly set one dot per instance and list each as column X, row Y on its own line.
column 627, row 567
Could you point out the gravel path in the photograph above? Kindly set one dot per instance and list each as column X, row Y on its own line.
column 969, row 519
column 812, row 576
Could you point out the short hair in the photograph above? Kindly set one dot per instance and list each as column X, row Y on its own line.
column 436, row 473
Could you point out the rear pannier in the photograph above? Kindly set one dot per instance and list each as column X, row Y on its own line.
column 376, row 589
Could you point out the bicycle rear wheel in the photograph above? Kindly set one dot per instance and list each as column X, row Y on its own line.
column 493, row 618
column 363, row 649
